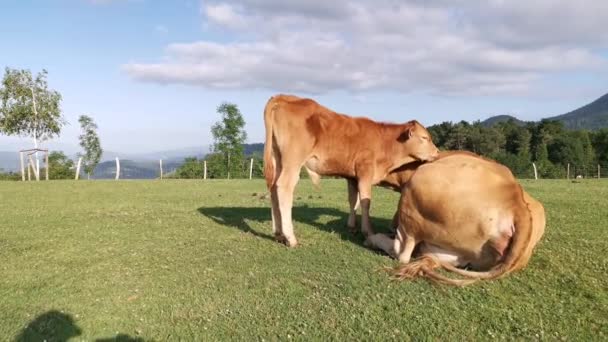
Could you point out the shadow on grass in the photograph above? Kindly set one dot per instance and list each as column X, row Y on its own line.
column 236, row 217
column 57, row 326
column 50, row 326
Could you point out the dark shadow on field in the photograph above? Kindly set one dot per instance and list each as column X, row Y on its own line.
column 236, row 217
column 120, row 338
column 56, row 326
column 50, row 326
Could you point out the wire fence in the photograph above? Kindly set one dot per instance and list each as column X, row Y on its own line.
column 252, row 168
column 568, row 171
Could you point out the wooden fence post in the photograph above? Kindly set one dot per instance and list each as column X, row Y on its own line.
column 117, row 169
column 78, row 169
column 37, row 170
column 251, row 169
column 46, row 160
column 204, row 169
column 29, row 166
column 22, row 166
column 568, row 172
column 161, row 169
column 33, row 165
column 535, row 172
column 598, row 171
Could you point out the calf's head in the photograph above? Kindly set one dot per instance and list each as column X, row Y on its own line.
column 417, row 142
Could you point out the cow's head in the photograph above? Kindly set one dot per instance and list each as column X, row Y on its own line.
column 418, row 143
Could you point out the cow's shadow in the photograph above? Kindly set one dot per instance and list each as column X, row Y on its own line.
column 237, row 217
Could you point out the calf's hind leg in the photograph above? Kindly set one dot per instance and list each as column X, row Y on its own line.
column 285, row 186
column 353, row 202
column 365, row 194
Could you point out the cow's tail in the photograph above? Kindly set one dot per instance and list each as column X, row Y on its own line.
column 269, row 158
column 425, row 267
column 519, row 251
column 518, row 255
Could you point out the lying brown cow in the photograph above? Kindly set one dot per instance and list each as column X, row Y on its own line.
column 461, row 210
column 301, row 132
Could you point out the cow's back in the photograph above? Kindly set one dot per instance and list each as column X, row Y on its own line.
column 459, row 201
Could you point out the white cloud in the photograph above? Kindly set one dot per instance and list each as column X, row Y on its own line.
column 446, row 47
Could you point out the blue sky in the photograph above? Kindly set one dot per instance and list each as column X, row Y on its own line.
column 151, row 73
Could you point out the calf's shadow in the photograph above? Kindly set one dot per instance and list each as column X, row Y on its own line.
column 237, row 217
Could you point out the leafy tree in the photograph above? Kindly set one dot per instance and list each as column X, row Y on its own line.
column 564, row 149
column 217, row 166
column 456, row 138
column 440, row 133
column 89, row 141
column 60, row 166
column 484, row 141
column 29, row 108
column 517, row 138
column 229, row 136
column 192, row 168
column 599, row 141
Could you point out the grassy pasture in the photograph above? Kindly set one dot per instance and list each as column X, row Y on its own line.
column 194, row 260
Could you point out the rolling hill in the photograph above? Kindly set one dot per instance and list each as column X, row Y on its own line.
column 592, row 116
column 491, row 121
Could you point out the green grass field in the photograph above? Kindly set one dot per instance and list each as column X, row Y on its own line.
column 194, row 260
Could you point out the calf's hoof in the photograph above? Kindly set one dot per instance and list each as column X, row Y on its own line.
column 352, row 229
column 280, row 238
column 291, row 243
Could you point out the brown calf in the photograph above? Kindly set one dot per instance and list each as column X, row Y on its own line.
column 300, row 132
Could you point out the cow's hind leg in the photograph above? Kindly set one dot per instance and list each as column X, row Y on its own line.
column 382, row 242
column 353, row 202
column 285, row 186
column 404, row 245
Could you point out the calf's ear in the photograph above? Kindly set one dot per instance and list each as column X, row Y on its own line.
column 407, row 133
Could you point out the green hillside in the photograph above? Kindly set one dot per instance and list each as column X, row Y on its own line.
column 591, row 116
column 491, row 121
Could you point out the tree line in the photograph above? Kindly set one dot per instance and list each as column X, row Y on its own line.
column 517, row 145
column 546, row 143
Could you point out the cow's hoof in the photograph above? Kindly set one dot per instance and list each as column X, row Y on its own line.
column 352, row 229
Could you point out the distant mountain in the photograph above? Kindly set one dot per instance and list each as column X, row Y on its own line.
column 9, row 161
column 130, row 169
column 253, row 148
column 491, row 121
column 591, row 116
